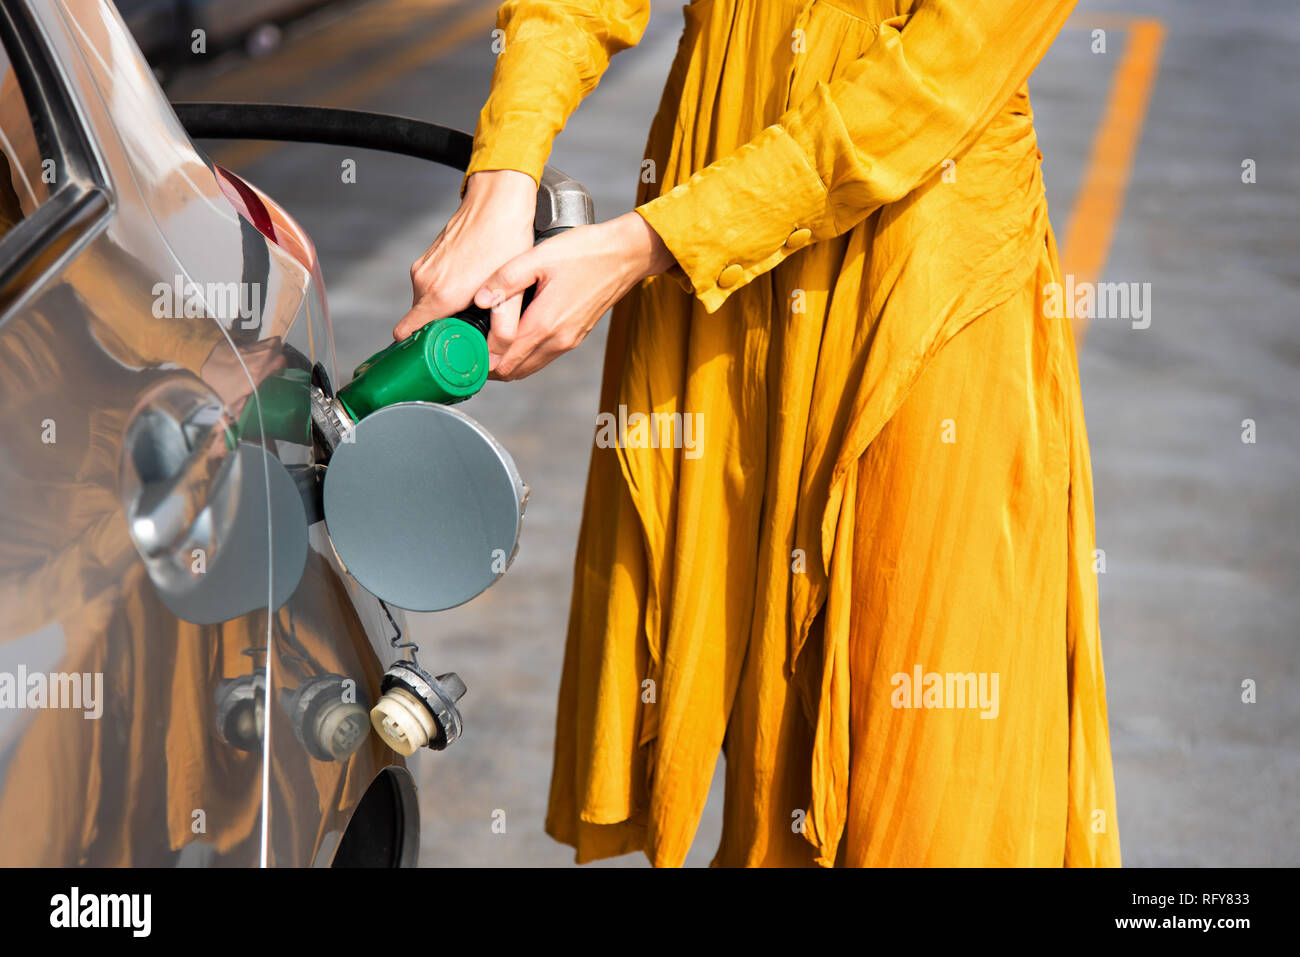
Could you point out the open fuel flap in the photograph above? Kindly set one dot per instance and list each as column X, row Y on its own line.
column 423, row 505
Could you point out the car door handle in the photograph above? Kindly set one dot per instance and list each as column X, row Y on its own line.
column 179, row 477
column 204, row 509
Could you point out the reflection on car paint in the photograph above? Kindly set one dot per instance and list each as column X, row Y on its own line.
column 136, row 459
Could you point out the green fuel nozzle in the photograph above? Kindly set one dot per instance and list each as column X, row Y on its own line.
column 445, row 362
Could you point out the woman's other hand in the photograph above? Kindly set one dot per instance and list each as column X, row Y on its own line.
column 580, row 274
column 493, row 224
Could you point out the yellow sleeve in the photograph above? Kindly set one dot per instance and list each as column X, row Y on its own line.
column 553, row 54
column 922, row 92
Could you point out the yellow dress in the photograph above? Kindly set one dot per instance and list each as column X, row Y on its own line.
column 866, row 574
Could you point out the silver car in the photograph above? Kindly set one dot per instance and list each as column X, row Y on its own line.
column 155, row 502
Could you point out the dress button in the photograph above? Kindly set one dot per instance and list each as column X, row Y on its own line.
column 730, row 276
column 799, row 239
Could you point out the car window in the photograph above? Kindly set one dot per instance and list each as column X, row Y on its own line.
column 24, row 177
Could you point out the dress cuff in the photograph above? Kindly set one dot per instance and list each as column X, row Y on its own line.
column 741, row 216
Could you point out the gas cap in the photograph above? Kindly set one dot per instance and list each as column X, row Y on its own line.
column 423, row 505
column 417, row 710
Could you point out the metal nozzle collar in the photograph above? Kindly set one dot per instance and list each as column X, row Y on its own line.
column 330, row 418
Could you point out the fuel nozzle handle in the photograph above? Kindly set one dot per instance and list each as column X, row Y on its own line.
column 445, row 361
column 481, row 319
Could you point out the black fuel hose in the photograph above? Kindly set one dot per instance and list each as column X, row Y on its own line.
column 327, row 126
column 562, row 201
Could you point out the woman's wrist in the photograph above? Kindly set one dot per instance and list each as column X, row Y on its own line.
column 501, row 185
column 643, row 251
column 646, row 253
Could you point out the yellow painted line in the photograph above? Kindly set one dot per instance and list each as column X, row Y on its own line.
column 474, row 24
column 354, row 91
column 309, row 54
column 1092, row 21
column 1100, row 197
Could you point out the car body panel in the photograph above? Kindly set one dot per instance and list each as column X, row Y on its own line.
column 178, row 767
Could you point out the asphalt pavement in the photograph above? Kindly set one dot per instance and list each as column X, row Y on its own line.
column 1193, row 409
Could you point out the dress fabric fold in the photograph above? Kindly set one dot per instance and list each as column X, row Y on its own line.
column 868, row 463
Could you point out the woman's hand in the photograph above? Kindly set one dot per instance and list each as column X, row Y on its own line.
column 579, row 274
column 493, row 224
